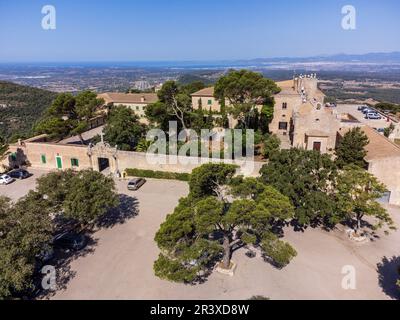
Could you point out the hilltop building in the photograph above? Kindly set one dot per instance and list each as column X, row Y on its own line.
column 205, row 99
column 301, row 120
column 135, row 101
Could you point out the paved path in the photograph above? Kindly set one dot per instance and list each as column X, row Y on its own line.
column 88, row 135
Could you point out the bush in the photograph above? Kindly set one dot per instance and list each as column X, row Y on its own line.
column 278, row 252
column 157, row 174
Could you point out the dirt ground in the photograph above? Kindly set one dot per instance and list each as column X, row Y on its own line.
column 120, row 264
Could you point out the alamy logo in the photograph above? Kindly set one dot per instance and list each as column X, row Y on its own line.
column 49, row 281
column 349, row 21
column 349, row 279
column 189, row 148
column 49, row 20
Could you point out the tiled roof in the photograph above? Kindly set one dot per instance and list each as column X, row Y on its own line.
column 379, row 146
column 206, row 92
column 140, row 98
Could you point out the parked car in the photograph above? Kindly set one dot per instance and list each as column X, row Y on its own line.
column 135, row 184
column 361, row 108
column 19, row 174
column 5, row 179
column 70, row 241
column 373, row 116
column 43, row 258
column 367, row 110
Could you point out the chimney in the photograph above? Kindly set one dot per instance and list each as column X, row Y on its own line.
column 143, row 99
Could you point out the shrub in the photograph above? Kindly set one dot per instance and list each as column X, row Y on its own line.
column 279, row 253
column 157, row 174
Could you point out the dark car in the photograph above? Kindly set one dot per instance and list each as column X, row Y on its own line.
column 135, row 184
column 19, row 174
column 71, row 241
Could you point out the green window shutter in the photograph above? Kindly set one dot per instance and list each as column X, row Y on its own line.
column 209, row 102
column 13, row 156
column 74, row 162
column 44, row 160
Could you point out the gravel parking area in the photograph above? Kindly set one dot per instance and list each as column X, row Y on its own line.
column 120, row 266
column 20, row 188
column 352, row 110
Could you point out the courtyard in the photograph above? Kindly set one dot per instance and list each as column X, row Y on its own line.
column 120, row 262
column 352, row 110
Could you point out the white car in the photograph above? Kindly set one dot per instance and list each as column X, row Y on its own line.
column 5, row 179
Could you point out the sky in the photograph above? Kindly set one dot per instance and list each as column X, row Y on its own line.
column 177, row 30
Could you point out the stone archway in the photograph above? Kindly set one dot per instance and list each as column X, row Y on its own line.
column 103, row 156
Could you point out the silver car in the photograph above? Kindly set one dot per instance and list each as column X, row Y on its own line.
column 135, row 184
column 5, row 179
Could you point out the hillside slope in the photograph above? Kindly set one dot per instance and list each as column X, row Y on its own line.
column 21, row 107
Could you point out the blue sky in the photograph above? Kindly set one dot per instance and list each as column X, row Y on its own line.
column 155, row 30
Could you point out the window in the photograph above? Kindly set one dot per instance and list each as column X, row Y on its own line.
column 283, row 125
column 317, row 146
column 44, row 160
column 137, row 108
column 209, row 102
column 284, row 105
column 74, row 162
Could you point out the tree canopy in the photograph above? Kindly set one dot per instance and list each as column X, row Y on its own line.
column 3, row 147
column 351, row 148
column 244, row 90
column 271, row 146
column 358, row 192
column 214, row 219
column 84, row 196
column 69, row 115
column 175, row 104
column 26, row 231
column 307, row 178
column 123, row 129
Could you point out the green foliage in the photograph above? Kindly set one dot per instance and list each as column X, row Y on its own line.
column 158, row 115
column 272, row 145
column 26, row 231
column 24, row 107
column 279, row 251
column 193, row 87
column 307, row 178
column 84, row 196
column 172, row 270
column 177, row 102
column 3, row 147
column 393, row 108
column 389, row 130
column 90, row 196
column 259, row 298
column 351, row 148
column 143, row 145
column 266, row 116
column 123, row 129
column 189, row 238
column 358, row 191
column 157, row 174
column 245, row 90
column 69, row 115
column 204, row 179
column 55, row 186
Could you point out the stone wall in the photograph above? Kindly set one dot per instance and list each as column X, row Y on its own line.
column 34, row 153
column 387, row 170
